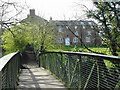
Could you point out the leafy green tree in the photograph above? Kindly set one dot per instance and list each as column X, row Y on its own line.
column 19, row 36
column 108, row 16
column 44, row 37
column 10, row 12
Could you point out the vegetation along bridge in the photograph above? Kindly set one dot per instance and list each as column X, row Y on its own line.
column 73, row 69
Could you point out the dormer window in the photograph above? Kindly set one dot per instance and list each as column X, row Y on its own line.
column 82, row 23
column 90, row 23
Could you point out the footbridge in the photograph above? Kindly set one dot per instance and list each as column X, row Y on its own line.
column 57, row 69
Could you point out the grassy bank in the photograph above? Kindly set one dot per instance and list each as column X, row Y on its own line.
column 104, row 50
column 81, row 49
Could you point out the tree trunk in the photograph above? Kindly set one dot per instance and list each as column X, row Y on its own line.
column 114, row 48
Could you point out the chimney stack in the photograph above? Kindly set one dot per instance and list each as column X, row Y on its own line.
column 32, row 12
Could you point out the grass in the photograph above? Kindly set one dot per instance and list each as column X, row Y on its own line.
column 104, row 50
column 79, row 48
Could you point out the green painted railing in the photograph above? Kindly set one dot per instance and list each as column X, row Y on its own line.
column 83, row 70
column 9, row 71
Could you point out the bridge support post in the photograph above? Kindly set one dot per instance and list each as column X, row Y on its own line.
column 0, row 80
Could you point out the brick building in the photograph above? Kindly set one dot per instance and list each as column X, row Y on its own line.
column 86, row 30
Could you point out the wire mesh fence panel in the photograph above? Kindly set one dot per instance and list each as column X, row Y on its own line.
column 10, row 71
column 83, row 71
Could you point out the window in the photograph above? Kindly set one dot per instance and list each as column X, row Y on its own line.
column 67, row 27
column 75, row 27
column 76, row 33
column 67, row 41
column 83, row 27
column 75, row 39
column 87, row 39
column 119, row 17
column 90, row 23
column 59, row 29
column 82, row 23
column 89, row 32
column 91, row 26
column 60, row 40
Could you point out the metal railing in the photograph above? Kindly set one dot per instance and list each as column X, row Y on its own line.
column 9, row 70
column 83, row 70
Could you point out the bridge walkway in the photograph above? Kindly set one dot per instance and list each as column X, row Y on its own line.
column 34, row 77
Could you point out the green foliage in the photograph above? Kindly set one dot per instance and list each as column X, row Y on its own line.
column 107, row 14
column 82, row 49
column 44, row 37
column 79, row 71
column 17, row 37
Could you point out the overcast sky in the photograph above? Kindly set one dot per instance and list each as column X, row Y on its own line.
column 58, row 9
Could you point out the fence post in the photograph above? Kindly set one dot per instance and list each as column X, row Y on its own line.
column 0, row 80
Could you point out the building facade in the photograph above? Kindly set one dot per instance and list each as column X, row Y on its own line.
column 74, row 32
column 71, row 32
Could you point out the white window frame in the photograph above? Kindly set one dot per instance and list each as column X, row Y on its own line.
column 83, row 26
column 59, row 29
column 67, row 27
column 60, row 40
column 67, row 41
column 82, row 23
column 76, row 33
column 91, row 26
column 89, row 32
column 75, row 40
column 76, row 27
column 90, row 23
column 88, row 40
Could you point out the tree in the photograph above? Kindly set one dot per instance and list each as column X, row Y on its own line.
column 44, row 37
column 9, row 12
column 19, row 36
column 108, row 16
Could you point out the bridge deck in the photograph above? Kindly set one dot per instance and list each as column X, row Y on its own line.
column 34, row 77
column 38, row 78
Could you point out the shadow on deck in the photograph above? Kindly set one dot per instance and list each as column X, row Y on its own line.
column 34, row 77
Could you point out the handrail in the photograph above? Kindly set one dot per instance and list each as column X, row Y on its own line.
column 9, row 70
column 83, row 70
column 108, row 57
column 5, row 59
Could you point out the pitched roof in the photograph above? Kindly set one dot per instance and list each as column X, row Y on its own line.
column 72, row 22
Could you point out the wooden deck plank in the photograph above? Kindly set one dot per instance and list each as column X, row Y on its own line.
column 38, row 78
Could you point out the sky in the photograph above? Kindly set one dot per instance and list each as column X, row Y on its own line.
column 59, row 9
